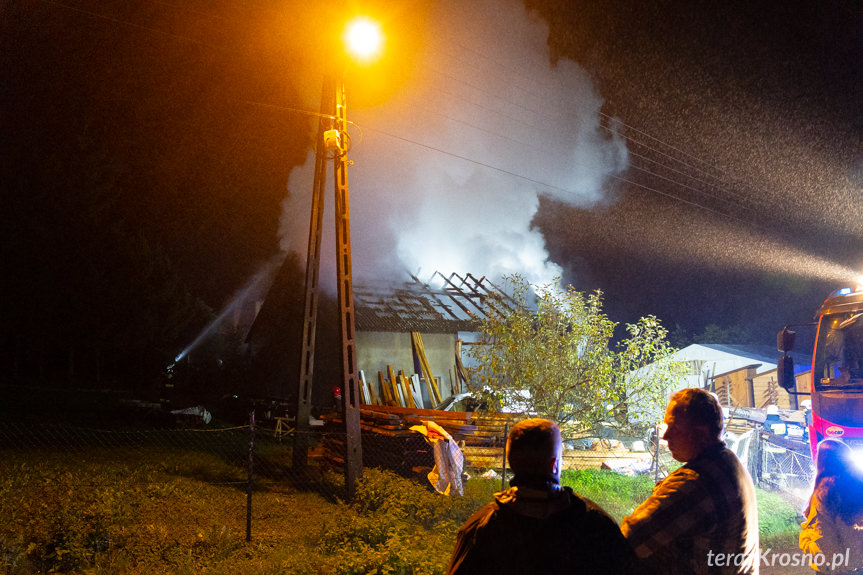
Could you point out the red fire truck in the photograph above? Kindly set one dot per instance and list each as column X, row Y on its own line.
column 836, row 386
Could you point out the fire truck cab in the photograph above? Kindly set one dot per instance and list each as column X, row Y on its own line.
column 836, row 386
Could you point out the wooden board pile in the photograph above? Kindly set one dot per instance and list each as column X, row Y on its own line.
column 398, row 390
column 485, row 448
column 388, row 442
column 397, row 421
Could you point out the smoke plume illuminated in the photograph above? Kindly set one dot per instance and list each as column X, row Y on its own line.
column 448, row 172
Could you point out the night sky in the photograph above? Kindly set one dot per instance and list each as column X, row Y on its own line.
column 744, row 125
column 701, row 162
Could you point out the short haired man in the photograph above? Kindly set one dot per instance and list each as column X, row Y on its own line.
column 537, row 526
column 703, row 517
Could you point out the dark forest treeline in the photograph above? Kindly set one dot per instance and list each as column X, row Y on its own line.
column 138, row 190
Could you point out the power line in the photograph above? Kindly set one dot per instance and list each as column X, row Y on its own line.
column 752, row 200
column 541, row 183
column 638, row 142
column 127, row 23
column 666, row 144
column 721, row 186
column 472, row 86
column 509, row 172
column 290, row 109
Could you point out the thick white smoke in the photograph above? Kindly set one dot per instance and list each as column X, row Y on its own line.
column 447, row 174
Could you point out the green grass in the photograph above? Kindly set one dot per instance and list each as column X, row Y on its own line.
column 164, row 511
column 779, row 524
column 778, row 521
column 617, row 494
column 172, row 512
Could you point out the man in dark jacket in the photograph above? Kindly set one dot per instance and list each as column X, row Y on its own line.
column 537, row 526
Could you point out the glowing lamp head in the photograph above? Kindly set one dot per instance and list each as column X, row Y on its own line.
column 363, row 39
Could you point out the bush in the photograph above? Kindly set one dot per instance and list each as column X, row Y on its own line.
column 399, row 527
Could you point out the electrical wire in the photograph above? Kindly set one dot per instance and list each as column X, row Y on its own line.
column 290, row 109
column 696, row 168
column 475, row 87
column 722, row 186
column 130, row 24
column 546, row 184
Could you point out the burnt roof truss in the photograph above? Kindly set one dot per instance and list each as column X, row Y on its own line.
column 444, row 304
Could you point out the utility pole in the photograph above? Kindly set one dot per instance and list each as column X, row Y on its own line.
column 344, row 275
column 313, row 267
column 332, row 138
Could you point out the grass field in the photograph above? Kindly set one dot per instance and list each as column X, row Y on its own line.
column 159, row 511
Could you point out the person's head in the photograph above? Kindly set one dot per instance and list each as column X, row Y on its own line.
column 534, row 450
column 694, row 420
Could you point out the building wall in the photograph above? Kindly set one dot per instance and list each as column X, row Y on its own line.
column 765, row 386
column 376, row 350
column 771, row 393
column 735, row 388
column 768, row 391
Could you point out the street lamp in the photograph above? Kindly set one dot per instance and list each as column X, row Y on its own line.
column 363, row 40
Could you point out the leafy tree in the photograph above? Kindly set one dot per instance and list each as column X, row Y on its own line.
column 548, row 351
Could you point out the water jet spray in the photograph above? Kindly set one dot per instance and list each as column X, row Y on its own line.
column 254, row 289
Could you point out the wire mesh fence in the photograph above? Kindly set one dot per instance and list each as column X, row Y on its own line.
column 778, row 464
column 252, row 458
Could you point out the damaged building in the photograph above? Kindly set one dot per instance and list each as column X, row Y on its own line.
column 413, row 327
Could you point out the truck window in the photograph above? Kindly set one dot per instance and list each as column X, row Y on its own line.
column 839, row 352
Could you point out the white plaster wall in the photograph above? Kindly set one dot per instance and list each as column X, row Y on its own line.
column 376, row 350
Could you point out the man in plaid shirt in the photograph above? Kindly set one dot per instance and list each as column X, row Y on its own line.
column 703, row 517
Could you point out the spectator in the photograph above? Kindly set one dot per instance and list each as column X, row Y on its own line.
column 537, row 526
column 834, row 516
column 703, row 517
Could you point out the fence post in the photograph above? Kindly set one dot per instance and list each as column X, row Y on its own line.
column 503, row 475
column 756, row 453
column 759, row 460
column 249, row 482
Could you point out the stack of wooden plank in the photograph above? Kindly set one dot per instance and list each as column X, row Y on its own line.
column 397, row 390
column 484, row 449
column 397, row 421
column 492, row 429
column 388, row 442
